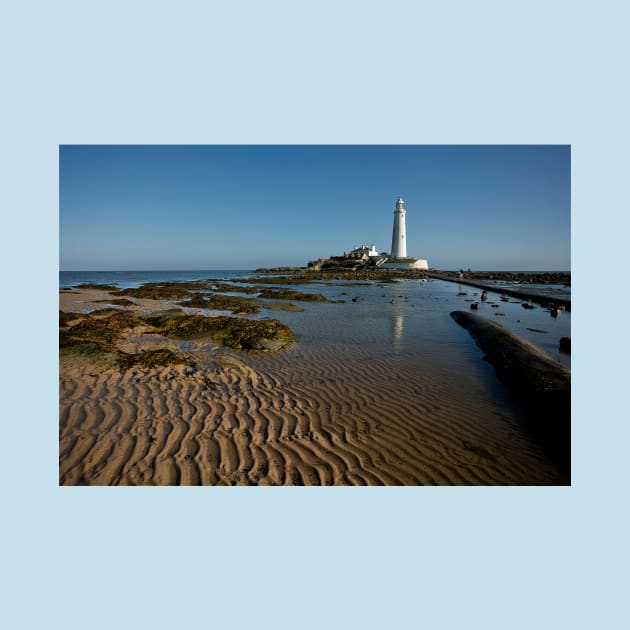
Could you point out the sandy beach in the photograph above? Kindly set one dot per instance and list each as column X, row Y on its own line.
column 309, row 415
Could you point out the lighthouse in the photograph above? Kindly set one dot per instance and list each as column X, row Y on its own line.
column 399, row 239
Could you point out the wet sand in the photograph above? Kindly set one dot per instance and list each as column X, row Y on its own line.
column 317, row 414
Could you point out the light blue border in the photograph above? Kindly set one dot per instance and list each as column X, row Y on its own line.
column 343, row 72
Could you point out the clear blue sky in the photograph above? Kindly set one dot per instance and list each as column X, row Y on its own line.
column 241, row 207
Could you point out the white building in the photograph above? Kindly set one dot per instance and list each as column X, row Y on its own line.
column 399, row 237
column 399, row 242
column 364, row 249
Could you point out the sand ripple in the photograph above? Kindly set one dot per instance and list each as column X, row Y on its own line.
column 288, row 421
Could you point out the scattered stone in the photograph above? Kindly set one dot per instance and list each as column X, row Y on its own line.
column 484, row 295
column 393, row 302
column 474, row 306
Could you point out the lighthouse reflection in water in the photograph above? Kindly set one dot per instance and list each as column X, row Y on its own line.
column 397, row 323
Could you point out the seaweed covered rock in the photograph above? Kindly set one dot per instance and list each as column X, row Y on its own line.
column 223, row 287
column 96, row 336
column 289, row 294
column 65, row 318
column 244, row 334
column 234, row 332
column 220, row 302
column 100, row 333
column 157, row 291
column 160, row 357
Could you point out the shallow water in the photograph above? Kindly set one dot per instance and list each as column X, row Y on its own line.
column 398, row 391
column 409, row 367
column 419, row 318
column 423, row 311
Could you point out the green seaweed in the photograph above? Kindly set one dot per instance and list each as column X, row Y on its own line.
column 234, row 332
column 65, row 318
column 107, row 312
column 167, row 290
column 156, row 291
column 221, row 302
column 245, row 334
column 103, row 332
column 290, row 294
column 96, row 335
column 223, row 287
column 149, row 359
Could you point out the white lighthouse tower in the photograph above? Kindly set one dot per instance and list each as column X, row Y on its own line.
column 399, row 238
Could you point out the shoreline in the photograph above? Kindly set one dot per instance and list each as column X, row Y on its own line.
column 311, row 414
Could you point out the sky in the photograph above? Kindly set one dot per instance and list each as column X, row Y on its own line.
column 241, row 207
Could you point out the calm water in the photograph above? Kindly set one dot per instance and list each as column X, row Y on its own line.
column 419, row 321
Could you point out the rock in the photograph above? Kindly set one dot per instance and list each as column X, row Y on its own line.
column 357, row 299
column 484, row 295
column 565, row 345
column 555, row 312
column 474, row 306
column 534, row 378
column 393, row 302
column 527, row 305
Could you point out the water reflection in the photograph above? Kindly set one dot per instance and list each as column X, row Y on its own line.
column 397, row 320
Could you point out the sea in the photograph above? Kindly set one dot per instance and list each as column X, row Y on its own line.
column 127, row 279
